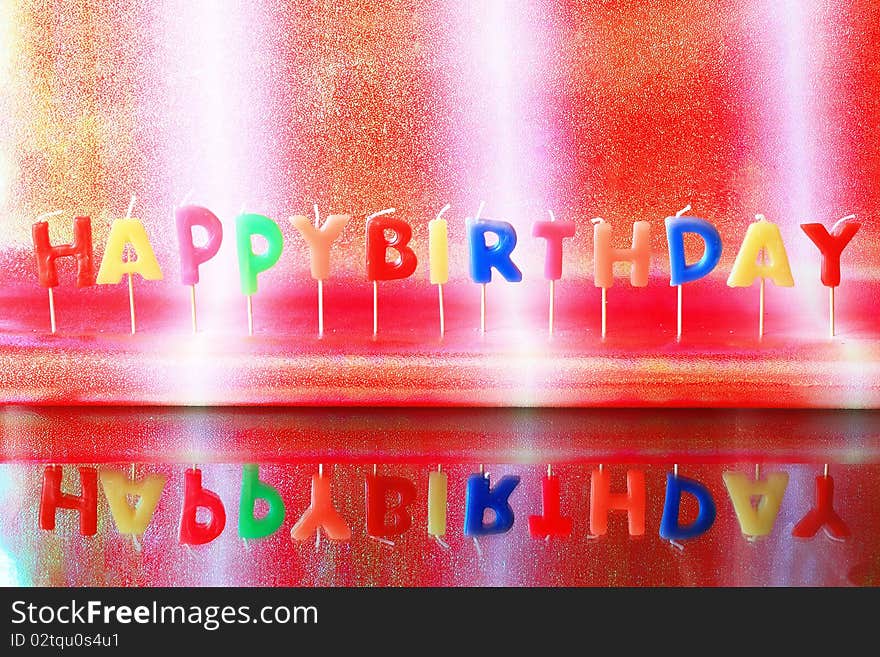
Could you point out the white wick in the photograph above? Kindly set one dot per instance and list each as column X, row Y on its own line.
column 683, row 210
column 380, row 213
column 46, row 215
column 317, row 215
column 842, row 220
column 597, row 220
column 131, row 206
column 445, row 208
column 760, row 217
column 480, row 209
column 552, row 216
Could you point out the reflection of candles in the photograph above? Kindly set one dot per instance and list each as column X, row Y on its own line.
column 762, row 236
column 438, row 258
column 756, row 520
column 670, row 525
column 46, row 255
column 251, row 264
column 831, row 245
column 551, row 522
column 252, row 489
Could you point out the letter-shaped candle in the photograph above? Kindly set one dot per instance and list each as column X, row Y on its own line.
column 756, row 521
column 602, row 500
column 831, row 245
column 52, row 499
column 761, row 235
column 321, row 514
column 438, row 259
column 80, row 248
column 481, row 496
column 553, row 232
column 670, row 527
column 113, row 266
column 823, row 514
column 378, row 488
column 379, row 268
column 188, row 217
column 319, row 241
column 680, row 272
column 132, row 519
column 484, row 258
column 251, row 264
column 252, row 489
column 437, row 489
column 319, row 238
column 193, row 532
column 551, row 522
column 639, row 255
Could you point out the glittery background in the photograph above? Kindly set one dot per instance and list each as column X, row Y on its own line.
column 625, row 109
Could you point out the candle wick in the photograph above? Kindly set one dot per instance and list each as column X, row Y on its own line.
column 317, row 216
column 445, row 208
column 552, row 216
column 46, row 215
column 380, row 213
column 841, row 221
column 480, row 210
column 131, row 206
column 683, row 210
column 760, row 217
column 597, row 220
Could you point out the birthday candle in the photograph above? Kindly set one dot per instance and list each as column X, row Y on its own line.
column 831, row 245
column 554, row 232
column 485, row 258
column 191, row 256
column 46, row 255
column 251, row 264
column 438, row 259
column 762, row 236
column 680, row 272
column 319, row 238
column 114, row 265
column 481, row 496
column 379, row 268
column 639, row 255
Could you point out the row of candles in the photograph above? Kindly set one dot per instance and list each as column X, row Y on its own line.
column 762, row 254
column 389, row 498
